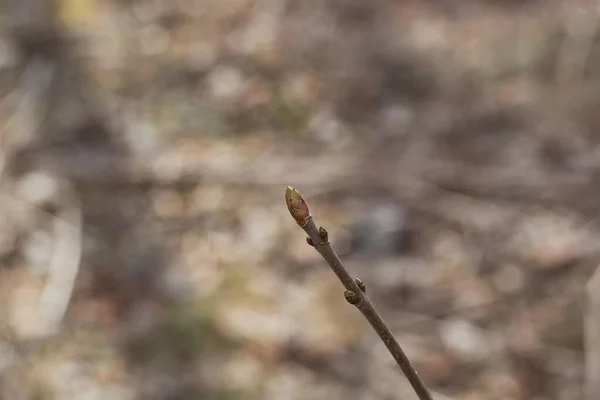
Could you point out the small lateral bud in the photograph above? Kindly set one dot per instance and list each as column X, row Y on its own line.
column 360, row 284
column 324, row 235
column 351, row 297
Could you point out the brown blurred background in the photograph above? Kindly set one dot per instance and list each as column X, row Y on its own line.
column 451, row 148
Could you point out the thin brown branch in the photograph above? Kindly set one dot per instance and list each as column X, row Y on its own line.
column 355, row 289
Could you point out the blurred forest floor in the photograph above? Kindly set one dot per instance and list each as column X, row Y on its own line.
column 452, row 150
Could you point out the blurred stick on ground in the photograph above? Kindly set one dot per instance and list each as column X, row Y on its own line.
column 592, row 338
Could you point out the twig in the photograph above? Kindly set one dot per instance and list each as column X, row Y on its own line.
column 355, row 288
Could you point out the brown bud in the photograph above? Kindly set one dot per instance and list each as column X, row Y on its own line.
column 351, row 297
column 297, row 206
column 324, row 235
column 360, row 284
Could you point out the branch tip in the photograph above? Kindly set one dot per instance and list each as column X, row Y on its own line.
column 297, row 206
